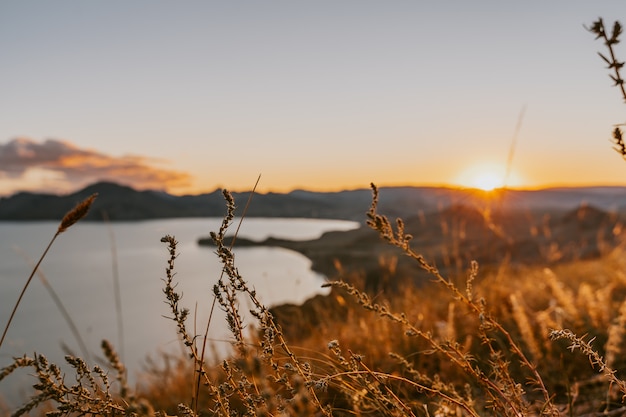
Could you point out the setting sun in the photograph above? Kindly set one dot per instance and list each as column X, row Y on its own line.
column 487, row 177
column 487, row 181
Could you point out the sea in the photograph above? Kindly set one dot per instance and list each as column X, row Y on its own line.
column 106, row 280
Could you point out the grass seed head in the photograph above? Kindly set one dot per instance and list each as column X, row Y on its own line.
column 77, row 213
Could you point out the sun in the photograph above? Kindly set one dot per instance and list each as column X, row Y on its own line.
column 486, row 177
column 487, row 181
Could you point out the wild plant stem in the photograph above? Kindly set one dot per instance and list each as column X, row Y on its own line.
column 206, row 332
column 30, row 278
column 70, row 218
column 116, row 286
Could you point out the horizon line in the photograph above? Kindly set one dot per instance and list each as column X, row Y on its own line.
column 333, row 189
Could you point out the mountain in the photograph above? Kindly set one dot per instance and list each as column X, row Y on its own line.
column 124, row 203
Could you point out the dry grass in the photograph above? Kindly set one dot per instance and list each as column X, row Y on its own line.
column 526, row 342
column 485, row 348
column 68, row 220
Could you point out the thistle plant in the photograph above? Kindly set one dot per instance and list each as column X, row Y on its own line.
column 595, row 359
column 611, row 39
column 615, row 331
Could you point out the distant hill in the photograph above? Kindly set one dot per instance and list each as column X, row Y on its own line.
column 124, row 203
column 455, row 236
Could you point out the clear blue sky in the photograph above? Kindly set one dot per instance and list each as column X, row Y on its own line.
column 324, row 95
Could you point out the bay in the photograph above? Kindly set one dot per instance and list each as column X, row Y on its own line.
column 80, row 268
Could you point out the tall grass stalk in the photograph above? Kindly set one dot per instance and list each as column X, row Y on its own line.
column 208, row 324
column 70, row 218
column 116, row 285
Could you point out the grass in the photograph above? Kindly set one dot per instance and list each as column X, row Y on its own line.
column 495, row 345
column 528, row 341
column 68, row 221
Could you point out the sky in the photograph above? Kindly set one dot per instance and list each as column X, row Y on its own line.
column 192, row 96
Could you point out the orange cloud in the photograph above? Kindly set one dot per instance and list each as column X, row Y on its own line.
column 78, row 167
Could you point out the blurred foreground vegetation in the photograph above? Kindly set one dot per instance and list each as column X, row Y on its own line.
column 499, row 342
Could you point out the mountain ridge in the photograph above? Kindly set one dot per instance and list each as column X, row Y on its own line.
column 123, row 203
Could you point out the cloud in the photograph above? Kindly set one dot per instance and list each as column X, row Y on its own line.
column 76, row 167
